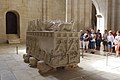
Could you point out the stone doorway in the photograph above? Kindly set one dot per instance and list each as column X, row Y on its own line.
column 94, row 18
column 12, row 26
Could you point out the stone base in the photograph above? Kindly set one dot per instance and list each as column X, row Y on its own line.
column 26, row 58
column 72, row 66
column 33, row 62
column 43, row 68
column 57, row 48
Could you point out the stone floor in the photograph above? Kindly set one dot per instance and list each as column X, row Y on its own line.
column 91, row 67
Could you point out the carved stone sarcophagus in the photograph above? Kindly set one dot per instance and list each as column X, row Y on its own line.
column 55, row 48
column 53, row 42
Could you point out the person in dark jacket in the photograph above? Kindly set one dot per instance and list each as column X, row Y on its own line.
column 98, row 40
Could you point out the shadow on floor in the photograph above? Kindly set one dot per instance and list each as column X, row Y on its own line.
column 71, row 74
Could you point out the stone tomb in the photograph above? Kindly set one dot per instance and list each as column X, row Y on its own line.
column 54, row 48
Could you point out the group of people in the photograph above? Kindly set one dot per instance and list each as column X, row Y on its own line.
column 111, row 41
column 89, row 39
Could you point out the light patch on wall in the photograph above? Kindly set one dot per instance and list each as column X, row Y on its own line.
column 100, row 22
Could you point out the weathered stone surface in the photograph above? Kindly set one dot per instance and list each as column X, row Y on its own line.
column 57, row 48
column 43, row 67
column 72, row 66
column 33, row 62
column 38, row 25
column 28, row 10
column 26, row 58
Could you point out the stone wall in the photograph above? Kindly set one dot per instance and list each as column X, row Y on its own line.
column 117, row 15
column 110, row 10
column 78, row 11
column 45, row 10
column 18, row 6
column 29, row 10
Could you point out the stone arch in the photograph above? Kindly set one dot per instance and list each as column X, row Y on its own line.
column 96, row 5
column 13, row 22
column 100, row 17
column 94, row 18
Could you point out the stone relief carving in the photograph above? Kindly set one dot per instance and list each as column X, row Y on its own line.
column 65, row 49
column 39, row 25
column 53, row 42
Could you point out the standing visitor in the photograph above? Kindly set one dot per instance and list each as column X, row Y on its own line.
column 81, row 39
column 92, row 45
column 98, row 40
column 117, row 43
column 105, row 34
column 86, row 41
column 89, row 33
column 110, row 39
column 114, row 34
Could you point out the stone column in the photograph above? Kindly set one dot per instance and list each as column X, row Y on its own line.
column 84, row 14
column 75, row 6
column 74, row 14
column 113, row 15
column 44, row 10
column 46, row 7
column 87, row 14
column 69, row 11
column 72, row 10
column 66, row 15
column 56, row 10
column 81, row 14
column 109, row 14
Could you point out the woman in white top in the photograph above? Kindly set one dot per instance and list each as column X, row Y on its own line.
column 110, row 39
column 81, row 39
column 117, row 43
column 93, row 41
column 86, row 41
